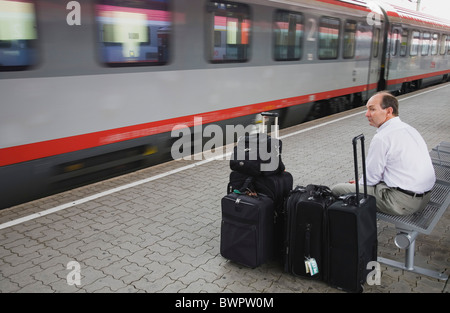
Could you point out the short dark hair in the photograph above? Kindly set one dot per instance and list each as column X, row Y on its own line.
column 389, row 101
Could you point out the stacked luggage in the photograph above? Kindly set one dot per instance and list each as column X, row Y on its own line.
column 252, row 224
column 318, row 236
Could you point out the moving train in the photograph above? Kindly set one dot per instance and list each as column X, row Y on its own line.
column 91, row 89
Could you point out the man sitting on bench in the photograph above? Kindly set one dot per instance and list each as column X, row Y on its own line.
column 400, row 173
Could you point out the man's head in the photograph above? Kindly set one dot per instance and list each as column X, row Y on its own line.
column 381, row 107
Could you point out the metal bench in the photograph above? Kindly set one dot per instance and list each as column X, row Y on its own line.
column 409, row 226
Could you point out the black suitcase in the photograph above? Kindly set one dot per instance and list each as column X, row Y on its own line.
column 352, row 234
column 258, row 154
column 246, row 235
column 277, row 186
column 306, row 231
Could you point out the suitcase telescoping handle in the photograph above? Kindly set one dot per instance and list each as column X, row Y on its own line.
column 270, row 114
column 355, row 155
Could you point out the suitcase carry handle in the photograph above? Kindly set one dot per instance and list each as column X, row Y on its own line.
column 270, row 114
column 355, row 155
column 246, row 186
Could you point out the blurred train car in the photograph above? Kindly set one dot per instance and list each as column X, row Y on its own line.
column 417, row 50
column 92, row 89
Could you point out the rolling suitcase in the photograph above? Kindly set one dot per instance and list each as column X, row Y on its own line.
column 352, row 234
column 306, row 246
column 246, row 235
column 258, row 154
column 276, row 187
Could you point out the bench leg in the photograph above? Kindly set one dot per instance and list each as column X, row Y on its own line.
column 407, row 240
column 409, row 256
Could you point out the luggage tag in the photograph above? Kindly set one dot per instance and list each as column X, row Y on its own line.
column 311, row 266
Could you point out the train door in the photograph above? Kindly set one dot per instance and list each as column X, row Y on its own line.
column 392, row 71
column 366, row 68
column 379, row 22
column 375, row 63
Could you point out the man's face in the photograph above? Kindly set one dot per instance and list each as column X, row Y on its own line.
column 375, row 113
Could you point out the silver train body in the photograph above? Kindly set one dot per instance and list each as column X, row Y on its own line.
column 90, row 89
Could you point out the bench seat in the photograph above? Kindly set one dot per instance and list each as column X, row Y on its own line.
column 424, row 221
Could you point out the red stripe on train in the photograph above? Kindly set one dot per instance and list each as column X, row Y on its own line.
column 37, row 150
column 415, row 77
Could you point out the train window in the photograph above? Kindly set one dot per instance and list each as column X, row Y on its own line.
column 426, row 43
column 375, row 42
column 133, row 32
column 18, row 35
column 349, row 39
column 329, row 38
column 288, row 35
column 415, row 42
column 404, row 43
column 395, row 39
column 434, row 44
column 443, row 44
column 231, row 25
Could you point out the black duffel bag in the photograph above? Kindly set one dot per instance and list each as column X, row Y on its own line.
column 257, row 154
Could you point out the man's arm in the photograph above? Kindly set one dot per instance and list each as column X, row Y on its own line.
column 375, row 162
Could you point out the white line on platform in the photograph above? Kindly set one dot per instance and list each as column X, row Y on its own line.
column 181, row 169
column 101, row 194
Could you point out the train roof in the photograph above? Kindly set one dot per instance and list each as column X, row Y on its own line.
column 407, row 16
column 394, row 13
column 397, row 14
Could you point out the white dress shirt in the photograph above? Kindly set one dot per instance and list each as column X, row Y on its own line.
column 399, row 157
